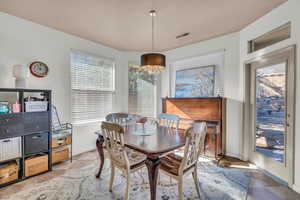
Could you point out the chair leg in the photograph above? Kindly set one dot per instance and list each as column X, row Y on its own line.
column 127, row 187
column 197, row 185
column 112, row 176
column 180, row 189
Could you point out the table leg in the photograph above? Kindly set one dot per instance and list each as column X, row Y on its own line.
column 153, row 167
column 99, row 144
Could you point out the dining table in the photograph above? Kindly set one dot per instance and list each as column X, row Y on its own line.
column 155, row 144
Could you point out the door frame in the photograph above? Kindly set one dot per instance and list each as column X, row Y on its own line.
column 247, row 136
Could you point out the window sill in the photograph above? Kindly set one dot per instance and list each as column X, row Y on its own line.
column 86, row 123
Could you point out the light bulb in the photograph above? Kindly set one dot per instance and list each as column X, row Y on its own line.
column 152, row 13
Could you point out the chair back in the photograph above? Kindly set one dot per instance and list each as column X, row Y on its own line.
column 119, row 118
column 134, row 117
column 194, row 145
column 123, row 118
column 114, row 142
column 169, row 120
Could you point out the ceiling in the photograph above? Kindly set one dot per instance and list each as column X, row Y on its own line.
column 126, row 24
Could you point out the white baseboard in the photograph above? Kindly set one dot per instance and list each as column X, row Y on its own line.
column 296, row 188
column 84, row 151
column 234, row 155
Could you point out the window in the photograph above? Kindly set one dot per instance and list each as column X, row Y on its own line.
column 142, row 91
column 279, row 34
column 92, row 86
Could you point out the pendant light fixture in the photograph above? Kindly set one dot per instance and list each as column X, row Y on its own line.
column 154, row 63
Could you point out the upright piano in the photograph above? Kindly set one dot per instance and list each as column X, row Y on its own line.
column 211, row 110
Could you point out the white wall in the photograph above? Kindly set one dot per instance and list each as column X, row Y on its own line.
column 279, row 16
column 22, row 42
column 232, row 90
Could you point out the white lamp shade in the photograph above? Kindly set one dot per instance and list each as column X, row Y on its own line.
column 20, row 71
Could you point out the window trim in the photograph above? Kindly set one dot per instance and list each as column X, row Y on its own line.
column 113, row 91
column 251, row 43
column 155, row 92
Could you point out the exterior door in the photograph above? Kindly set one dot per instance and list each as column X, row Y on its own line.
column 272, row 114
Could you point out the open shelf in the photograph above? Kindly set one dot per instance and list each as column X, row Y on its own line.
column 36, row 154
column 27, row 177
column 9, row 160
column 22, row 124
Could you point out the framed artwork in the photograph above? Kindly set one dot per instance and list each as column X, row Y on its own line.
column 195, row 82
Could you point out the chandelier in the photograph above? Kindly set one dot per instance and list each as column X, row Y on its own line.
column 154, row 63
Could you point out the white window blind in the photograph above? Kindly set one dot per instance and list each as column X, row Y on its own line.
column 92, row 86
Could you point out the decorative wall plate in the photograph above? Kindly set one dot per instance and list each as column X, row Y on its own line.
column 39, row 69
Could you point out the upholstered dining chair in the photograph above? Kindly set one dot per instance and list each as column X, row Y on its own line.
column 168, row 120
column 177, row 167
column 122, row 158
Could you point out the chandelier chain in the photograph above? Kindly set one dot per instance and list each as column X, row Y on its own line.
column 152, row 32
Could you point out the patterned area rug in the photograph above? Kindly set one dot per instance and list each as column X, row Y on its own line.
column 81, row 184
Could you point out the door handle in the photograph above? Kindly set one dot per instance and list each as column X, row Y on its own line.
column 36, row 137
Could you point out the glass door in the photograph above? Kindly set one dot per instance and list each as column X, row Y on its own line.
column 270, row 111
column 272, row 102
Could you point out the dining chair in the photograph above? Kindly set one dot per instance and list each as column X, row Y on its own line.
column 119, row 118
column 122, row 158
column 135, row 118
column 177, row 166
column 168, row 120
column 122, row 118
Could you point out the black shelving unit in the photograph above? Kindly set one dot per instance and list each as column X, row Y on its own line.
column 25, row 125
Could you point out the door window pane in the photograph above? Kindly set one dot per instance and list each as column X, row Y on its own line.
column 270, row 111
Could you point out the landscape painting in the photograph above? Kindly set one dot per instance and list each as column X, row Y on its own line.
column 195, row 82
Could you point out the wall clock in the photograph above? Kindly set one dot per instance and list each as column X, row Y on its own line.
column 39, row 69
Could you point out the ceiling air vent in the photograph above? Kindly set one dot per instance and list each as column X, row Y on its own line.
column 182, row 35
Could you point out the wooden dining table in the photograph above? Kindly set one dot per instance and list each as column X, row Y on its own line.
column 159, row 143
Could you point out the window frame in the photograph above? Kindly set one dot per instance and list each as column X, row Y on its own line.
column 113, row 91
column 253, row 45
column 213, row 67
column 155, row 90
